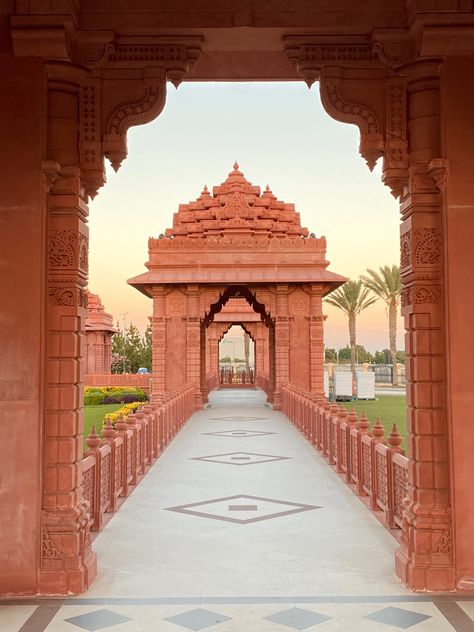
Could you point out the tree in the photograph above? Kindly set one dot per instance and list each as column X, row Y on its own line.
column 351, row 298
column 386, row 285
column 330, row 355
column 131, row 351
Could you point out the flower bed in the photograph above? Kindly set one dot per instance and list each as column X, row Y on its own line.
column 95, row 395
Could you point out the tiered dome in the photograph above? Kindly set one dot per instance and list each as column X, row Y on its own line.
column 236, row 207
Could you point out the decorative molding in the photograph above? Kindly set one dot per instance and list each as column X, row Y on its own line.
column 336, row 105
column 67, row 296
column 421, row 295
column 438, row 170
column 49, row 549
column 62, row 246
column 427, row 246
column 137, row 112
column 395, row 174
column 50, row 172
column 92, row 163
column 309, row 56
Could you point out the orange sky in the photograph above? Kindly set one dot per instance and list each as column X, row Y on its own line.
column 280, row 136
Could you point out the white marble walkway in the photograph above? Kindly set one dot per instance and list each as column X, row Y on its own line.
column 273, row 540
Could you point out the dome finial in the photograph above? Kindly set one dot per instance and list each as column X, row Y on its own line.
column 236, row 165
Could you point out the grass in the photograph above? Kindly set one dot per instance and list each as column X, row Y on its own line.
column 389, row 409
column 94, row 415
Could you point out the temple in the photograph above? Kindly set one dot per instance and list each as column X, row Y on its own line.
column 237, row 243
column 99, row 332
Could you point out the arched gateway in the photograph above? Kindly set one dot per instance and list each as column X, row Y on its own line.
column 237, row 243
column 75, row 76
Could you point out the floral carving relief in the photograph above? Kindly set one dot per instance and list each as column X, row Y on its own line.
column 427, row 246
column 61, row 248
column 49, row 549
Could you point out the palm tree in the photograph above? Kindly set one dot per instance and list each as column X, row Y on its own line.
column 386, row 285
column 351, row 298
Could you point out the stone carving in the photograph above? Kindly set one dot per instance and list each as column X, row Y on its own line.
column 443, row 545
column 438, row 171
column 67, row 297
column 92, row 167
column 49, row 549
column 405, row 249
column 105, row 482
column 382, row 484
column 395, row 155
column 88, row 487
column 84, row 253
column 371, row 145
column 138, row 112
column 61, row 248
column 427, row 246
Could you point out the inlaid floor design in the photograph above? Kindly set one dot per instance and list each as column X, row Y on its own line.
column 283, row 545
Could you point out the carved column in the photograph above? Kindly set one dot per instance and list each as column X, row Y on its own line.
column 424, row 559
column 282, row 343
column 67, row 562
column 453, row 175
column 193, row 343
column 158, row 353
column 316, row 340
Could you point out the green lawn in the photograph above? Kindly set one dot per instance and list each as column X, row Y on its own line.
column 389, row 409
column 94, row 415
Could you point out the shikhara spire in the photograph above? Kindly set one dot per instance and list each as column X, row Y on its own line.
column 236, row 207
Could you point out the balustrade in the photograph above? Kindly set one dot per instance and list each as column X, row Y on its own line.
column 373, row 467
column 113, row 465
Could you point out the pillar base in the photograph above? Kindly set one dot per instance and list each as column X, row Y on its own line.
column 68, row 581
column 423, row 577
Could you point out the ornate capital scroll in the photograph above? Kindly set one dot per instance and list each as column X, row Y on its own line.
column 134, row 112
column 341, row 108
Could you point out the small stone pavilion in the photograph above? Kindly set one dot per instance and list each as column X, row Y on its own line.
column 237, row 243
column 99, row 331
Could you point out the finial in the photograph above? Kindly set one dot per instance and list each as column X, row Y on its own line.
column 93, row 440
column 378, row 430
column 352, row 417
column 108, row 431
column 267, row 188
column 363, row 424
column 205, row 188
column 236, row 165
column 395, row 439
column 342, row 411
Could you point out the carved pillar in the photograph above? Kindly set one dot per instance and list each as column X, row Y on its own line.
column 203, row 356
column 271, row 362
column 158, row 352
column 193, row 343
column 282, row 343
column 67, row 561
column 424, row 559
column 316, row 340
column 454, row 178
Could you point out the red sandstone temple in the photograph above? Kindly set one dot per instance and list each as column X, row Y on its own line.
column 99, row 332
column 237, row 243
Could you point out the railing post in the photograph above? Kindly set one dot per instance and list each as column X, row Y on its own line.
column 363, row 430
column 351, row 423
column 394, row 447
column 340, row 439
column 378, row 432
column 135, row 447
column 110, row 438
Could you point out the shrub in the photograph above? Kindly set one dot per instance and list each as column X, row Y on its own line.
column 121, row 412
column 113, row 395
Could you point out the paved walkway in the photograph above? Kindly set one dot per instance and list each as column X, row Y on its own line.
column 241, row 526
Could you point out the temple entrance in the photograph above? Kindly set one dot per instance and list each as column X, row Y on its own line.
column 236, row 358
column 74, row 78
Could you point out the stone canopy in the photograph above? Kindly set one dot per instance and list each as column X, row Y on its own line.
column 237, row 235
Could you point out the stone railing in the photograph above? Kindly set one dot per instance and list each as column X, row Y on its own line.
column 139, row 380
column 375, row 468
column 114, row 464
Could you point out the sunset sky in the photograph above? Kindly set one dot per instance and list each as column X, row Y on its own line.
column 281, row 136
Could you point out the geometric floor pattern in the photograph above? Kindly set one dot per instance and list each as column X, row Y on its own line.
column 238, row 433
column 298, row 618
column 242, row 508
column 240, row 458
column 197, row 619
column 397, row 617
column 238, row 418
column 97, row 620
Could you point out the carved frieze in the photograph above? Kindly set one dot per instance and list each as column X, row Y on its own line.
column 421, row 295
column 67, row 296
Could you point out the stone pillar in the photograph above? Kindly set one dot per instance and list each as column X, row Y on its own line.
column 455, row 179
column 282, row 343
column 158, row 332
column 67, row 562
column 316, row 340
column 22, row 333
column 203, row 343
column 193, row 343
column 424, row 560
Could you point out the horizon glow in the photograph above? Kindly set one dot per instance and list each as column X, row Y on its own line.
column 281, row 136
